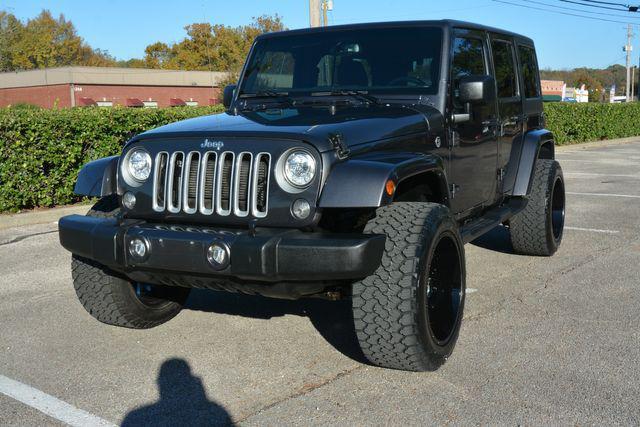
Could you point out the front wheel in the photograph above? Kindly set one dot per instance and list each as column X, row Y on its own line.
column 114, row 299
column 408, row 313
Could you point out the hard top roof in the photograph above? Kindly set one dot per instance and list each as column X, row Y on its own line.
column 445, row 23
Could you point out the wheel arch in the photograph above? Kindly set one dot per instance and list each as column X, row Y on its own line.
column 535, row 144
column 361, row 183
column 98, row 178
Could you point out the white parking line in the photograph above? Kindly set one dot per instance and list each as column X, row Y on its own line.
column 49, row 405
column 628, row 196
column 471, row 290
column 592, row 230
column 602, row 174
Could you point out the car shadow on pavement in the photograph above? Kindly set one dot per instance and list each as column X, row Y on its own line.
column 332, row 319
column 183, row 401
column 497, row 240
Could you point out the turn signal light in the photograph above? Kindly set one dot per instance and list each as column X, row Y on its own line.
column 390, row 187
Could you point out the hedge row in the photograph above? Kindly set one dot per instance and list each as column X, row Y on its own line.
column 41, row 151
column 576, row 123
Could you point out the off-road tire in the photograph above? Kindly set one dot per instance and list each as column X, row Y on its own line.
column 390, row 311
column 538, row 229
column 112, row 298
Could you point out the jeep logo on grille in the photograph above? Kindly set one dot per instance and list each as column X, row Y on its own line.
column 212, row 144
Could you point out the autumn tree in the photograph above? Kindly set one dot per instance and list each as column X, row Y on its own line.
column 214, row 47
column 44, row 41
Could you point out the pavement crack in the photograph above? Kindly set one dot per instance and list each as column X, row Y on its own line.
column 26, row 236
column 305, row 389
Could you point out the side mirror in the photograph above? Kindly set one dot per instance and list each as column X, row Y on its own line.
column 227, row 95
column 474, row 90
column 477, row 90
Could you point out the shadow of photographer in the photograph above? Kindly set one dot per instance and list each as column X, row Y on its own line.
column 183, row 401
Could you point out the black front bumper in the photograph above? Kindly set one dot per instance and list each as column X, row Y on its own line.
column 268, row 256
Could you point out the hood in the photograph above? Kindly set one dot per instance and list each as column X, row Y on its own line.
column 357, row 124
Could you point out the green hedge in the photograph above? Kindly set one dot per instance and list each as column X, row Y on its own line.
column 575, row 123
column 41, row 151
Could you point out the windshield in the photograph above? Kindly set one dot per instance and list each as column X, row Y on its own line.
column 382, row 60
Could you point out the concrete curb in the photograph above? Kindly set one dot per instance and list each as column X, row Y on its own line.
column 40, row 216
column 596, row 144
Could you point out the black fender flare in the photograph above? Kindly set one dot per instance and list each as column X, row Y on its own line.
column 360, row 182
column 532, row 144
column 98, row 178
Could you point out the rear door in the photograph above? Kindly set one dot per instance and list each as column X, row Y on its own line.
column 510, row 114
column 473, row 143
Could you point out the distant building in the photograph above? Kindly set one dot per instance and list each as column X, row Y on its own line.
column 557, row 90
column 553, row 90
column 107, row 87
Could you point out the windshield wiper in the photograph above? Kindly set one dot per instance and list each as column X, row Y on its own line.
column 281, row 97
column 360, row 95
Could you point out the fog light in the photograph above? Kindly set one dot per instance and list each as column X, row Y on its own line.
column 301, row 209
column 218, row 255
column 129, row 200
column 138, row 248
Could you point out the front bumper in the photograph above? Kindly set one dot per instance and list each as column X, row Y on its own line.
column 268, row 256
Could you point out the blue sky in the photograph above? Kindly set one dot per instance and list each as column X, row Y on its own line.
column 126, row 27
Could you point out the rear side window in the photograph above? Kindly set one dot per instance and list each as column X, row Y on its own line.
column 529, row 71
column 505, row 67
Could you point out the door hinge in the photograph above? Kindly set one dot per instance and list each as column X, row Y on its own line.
column 454, row 189
column 339, row 146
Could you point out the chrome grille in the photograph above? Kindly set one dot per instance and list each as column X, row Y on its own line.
column 225, row 183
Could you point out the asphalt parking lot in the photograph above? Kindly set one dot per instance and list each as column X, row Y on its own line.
column 544, row 341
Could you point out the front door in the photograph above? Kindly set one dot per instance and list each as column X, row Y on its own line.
column 474, row 146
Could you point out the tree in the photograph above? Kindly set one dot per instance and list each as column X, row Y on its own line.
column 212, row 47
column 44, row 42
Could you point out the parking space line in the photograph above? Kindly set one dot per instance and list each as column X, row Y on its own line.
column 592, row 230
column 49, row 405
column 628, row 196
column 610, row 175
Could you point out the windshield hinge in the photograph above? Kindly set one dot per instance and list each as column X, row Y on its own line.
column 341, row 149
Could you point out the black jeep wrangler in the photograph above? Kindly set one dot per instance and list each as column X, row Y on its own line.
column 351, row 162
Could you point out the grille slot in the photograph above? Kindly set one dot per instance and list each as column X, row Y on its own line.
column 160, row 181
column 174, row 182
column 242, row 177
column 222, row 183
column 260, row 185
column 207, row 179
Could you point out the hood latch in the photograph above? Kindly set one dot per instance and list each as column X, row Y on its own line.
column 341, row 149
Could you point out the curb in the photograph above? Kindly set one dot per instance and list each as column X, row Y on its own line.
column 596, row 144
column 40, row 216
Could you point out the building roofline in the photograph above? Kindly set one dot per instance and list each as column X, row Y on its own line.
column 110, row 76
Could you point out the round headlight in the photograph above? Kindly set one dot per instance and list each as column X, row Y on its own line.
column 300, row 168
column 139, row 165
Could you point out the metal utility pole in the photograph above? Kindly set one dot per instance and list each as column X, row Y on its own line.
column 314, row 13
column 628, row 48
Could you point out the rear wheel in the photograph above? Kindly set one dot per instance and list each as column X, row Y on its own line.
column 408, row 313
column 112, row 298
column 538, row 229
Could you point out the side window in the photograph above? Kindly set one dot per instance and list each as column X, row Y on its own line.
column 529, row 71
column 505, row 67
column 468, row 58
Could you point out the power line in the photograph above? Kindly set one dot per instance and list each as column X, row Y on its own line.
column 561, row 13
column 597, row 7
column 579, row 10
column 605, row 2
